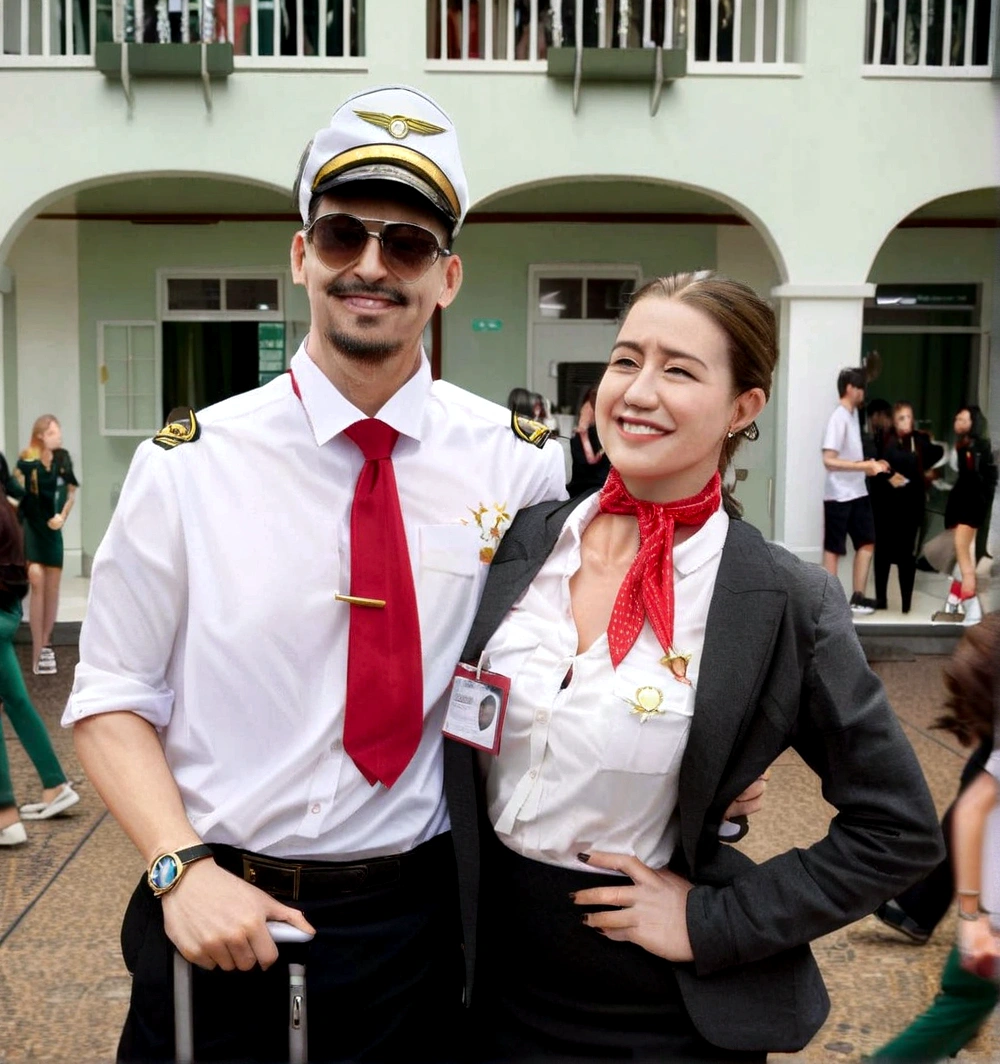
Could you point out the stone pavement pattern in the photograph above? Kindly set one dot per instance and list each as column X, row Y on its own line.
column 64, row 989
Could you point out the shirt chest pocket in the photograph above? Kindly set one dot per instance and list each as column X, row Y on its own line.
column 451, row 549
column 646, row 725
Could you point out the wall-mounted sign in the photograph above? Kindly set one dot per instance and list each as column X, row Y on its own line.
column 486, row 324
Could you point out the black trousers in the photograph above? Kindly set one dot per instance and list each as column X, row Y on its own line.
column 384, row 978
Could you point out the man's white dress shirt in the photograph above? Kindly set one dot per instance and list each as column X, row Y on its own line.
column 581, row 766
column 212, row 611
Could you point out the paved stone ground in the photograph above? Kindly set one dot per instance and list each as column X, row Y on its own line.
column 64, row 989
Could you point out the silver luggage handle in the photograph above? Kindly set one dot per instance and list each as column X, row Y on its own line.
column 298, row 1035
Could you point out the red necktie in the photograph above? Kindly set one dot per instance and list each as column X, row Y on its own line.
column 648, row 587
column 384, row 714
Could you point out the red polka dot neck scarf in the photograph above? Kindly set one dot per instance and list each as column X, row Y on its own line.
column 648, row 587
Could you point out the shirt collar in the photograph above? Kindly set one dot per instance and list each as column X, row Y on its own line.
column 329, row 412
column 690, row 555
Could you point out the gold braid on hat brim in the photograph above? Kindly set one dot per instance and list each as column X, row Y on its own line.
column 391, row 153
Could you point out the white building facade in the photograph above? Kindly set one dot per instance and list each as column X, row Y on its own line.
column 846, row 170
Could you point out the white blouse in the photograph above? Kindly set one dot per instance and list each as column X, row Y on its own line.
column 593, row 761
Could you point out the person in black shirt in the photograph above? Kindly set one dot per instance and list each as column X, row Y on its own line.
column 912, row 455
column 590, row 466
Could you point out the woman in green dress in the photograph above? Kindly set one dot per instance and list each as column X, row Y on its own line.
column 46, row 472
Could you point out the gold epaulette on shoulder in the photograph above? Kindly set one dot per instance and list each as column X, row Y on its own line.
column 183, row 429
column 529, row 431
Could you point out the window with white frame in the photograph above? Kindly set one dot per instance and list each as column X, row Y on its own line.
column 129, row 378
column 220, row 296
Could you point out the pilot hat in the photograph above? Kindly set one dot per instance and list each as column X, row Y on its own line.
column 392, row 133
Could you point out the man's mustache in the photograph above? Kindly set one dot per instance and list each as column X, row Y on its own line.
column 343, row 288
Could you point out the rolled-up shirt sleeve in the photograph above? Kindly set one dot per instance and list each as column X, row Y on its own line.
column 138, row 598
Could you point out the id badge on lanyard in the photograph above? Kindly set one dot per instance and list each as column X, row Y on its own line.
column 477, row 705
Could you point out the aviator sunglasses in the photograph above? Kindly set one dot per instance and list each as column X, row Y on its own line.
column 408, row 250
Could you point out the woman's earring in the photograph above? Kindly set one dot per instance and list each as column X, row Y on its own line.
column 752, row 432
column 730, row 435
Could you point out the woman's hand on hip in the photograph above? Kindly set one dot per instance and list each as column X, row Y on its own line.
column 55, row 523
column 651, row 911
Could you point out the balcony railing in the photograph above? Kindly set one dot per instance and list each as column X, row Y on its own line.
column 721, row 36
column 930, row 38
column 263, row 33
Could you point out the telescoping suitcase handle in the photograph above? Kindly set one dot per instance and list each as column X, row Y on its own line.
column 298, row 1035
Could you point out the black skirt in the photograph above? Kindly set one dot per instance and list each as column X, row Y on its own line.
column 552, row 988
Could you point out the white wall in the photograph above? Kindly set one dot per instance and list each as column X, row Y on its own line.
column 44, row 265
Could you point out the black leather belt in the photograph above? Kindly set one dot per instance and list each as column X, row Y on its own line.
column 302, row 880
column 316, row 880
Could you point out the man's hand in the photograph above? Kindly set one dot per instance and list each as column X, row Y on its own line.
column 216, row 919
column 874, row 466
column 651, row 910
column 751, row 800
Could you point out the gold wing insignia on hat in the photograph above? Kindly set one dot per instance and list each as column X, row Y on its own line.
column 529, row 431
column 399, row 126
column 183, row 429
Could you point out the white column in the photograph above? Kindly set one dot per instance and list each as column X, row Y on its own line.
column 820, row 334
column 6, row 287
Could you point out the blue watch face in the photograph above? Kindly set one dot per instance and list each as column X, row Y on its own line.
column 164, row 872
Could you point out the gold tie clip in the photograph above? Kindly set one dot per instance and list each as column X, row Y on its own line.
column 354, row 600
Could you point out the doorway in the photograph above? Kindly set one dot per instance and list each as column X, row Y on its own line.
column 205, row 362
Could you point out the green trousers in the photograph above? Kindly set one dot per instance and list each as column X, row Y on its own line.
column 954, row 1017
column 23, row 715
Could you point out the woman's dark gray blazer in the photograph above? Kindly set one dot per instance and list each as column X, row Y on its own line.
column 781, row 667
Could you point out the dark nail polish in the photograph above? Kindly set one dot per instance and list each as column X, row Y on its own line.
column 572, row 896
column 585, row 857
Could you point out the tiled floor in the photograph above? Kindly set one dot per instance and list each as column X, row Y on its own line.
column 63, row 988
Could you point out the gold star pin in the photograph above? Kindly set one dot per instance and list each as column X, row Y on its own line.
column 399, row 126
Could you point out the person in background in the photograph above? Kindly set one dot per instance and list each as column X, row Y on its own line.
column 58, row 794
column 521, row 401
column 590, row 465
column 847, row 509
column 912, row 455
column 661, row 655
column 45, row 471
column 969, row 988
column 878, row 426
column 966, row 511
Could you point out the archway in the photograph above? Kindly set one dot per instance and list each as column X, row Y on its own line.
column 129, row 295
column 547, row 265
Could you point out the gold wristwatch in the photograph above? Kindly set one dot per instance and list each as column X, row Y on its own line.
column 165, row 870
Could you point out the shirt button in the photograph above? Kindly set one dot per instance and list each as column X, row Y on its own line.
column 315, row 808
column 541, row 716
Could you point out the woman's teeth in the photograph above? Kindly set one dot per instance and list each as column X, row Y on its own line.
column 641, row 430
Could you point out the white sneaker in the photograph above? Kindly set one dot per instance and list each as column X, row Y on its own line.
column 47, row 652
column 14, row 835
column 43, row 810
column 45, row 667
column 973, row 611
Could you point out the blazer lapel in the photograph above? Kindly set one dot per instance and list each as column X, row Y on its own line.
column 740, row 632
